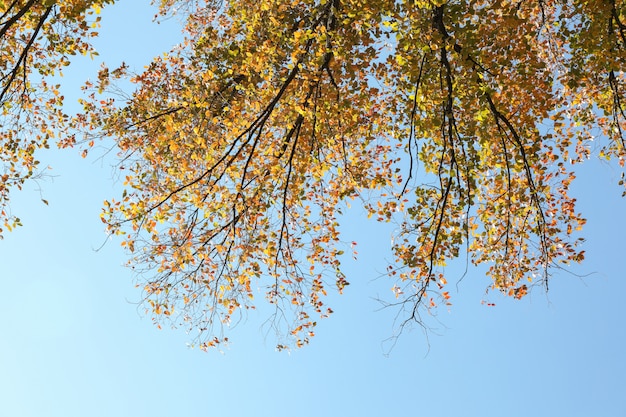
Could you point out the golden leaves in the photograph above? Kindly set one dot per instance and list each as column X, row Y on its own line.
column 452, row 119
column 36, row 38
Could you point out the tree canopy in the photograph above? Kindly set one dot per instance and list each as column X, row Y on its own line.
column 37, row 39
column 461, row 121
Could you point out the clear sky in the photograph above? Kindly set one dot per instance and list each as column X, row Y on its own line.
column 74, row 343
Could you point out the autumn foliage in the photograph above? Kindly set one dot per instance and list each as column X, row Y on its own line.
column 459, row 120
column 37, row 39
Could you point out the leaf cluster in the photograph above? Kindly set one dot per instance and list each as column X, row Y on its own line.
column 460, row 121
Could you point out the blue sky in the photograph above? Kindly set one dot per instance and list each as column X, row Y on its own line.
column 75, row 344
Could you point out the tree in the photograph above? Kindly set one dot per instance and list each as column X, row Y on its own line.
column 37, row 39
column 458, row 120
